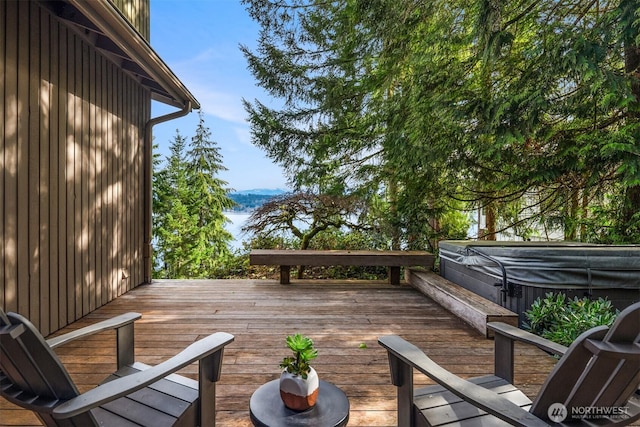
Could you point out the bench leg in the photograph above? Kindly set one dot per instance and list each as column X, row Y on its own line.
column 394, row 275
column 285, row 274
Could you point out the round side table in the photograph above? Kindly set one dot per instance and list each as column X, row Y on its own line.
column 267, row 409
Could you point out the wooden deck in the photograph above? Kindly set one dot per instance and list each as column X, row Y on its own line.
column 339, row 316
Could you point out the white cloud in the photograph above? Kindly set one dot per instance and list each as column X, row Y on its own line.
column 219, row 80
column 225, row 106
column 243, row 134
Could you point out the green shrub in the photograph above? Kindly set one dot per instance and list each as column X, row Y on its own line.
column 235, row 265
column 267, row 241
column 561, row 320
column 343, row 240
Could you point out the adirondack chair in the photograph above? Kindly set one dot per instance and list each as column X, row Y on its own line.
column 32, row 376
column 598, row 375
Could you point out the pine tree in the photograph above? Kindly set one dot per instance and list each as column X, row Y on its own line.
column 530, row 105
column 172, row 218
column 189, row 234
column 209, row 239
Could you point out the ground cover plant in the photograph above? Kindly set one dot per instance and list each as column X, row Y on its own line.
column 562, row 320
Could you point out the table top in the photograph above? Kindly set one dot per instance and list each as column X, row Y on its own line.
column 268, row 410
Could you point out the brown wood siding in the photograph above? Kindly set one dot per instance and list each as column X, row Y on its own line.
column 72, row 132
column 3, row 101
column 137, row 13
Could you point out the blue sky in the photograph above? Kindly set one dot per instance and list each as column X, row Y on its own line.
column 199, row 40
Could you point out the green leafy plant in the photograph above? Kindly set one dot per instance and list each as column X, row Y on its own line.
column 303, row 353
column 562, row 320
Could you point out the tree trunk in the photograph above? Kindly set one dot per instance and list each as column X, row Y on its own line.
column 572, row 217
column 584, row 215
column 392, row 194
column 490, row 220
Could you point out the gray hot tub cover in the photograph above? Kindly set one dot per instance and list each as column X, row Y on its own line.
column 550, row 265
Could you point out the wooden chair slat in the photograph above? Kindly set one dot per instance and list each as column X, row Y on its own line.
column 437, row 395
column 139, row 413
column 618, row 392
column 107, row 418
column 625, row 329
column 180, row 387
column 439, row 407
column 614, row 350
column 40, row 370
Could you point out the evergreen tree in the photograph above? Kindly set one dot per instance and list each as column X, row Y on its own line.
column 209, row 240
column 173, row 221
column 189, row 199
column 529, row 106
column 340, row 130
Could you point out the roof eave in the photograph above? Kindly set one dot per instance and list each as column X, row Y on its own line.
column 115, row 27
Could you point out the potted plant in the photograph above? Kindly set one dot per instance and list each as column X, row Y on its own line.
column 299, row 381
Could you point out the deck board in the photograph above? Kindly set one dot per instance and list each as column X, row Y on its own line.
column 339, row 316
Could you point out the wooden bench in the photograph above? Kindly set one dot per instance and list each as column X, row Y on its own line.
column 392, row 259
column 468, row 306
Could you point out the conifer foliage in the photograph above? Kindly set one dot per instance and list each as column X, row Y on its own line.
column 190, row 240
column 528, row 109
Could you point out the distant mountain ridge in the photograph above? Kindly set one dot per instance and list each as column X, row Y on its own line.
column 262, row 191
column 249, row 200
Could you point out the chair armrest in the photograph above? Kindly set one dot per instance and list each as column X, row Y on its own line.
column 123, row 324
column 406, row 353
column 209, row 346
column 504, row 338
column 517, row 334
column 113, row 323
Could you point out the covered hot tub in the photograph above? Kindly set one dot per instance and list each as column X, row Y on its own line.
column 515, row 274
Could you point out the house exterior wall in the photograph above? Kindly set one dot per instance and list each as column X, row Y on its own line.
column 71, row 171
column 137, row 13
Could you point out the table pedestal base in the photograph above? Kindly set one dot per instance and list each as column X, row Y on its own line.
column 268, row 410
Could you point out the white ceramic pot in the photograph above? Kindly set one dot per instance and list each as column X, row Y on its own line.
column 297, row 393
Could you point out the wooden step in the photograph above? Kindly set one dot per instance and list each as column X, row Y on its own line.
column 468, row 306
